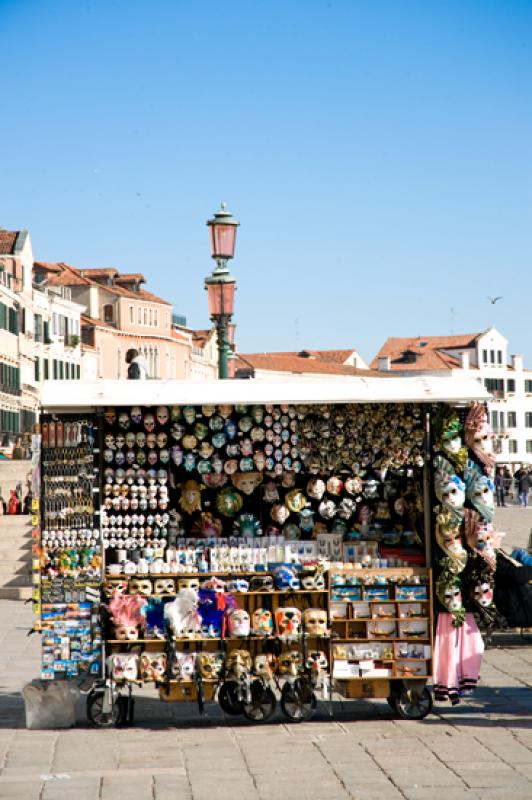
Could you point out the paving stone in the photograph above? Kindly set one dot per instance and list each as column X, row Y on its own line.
column 73, row 789
column 172, row 787
column 20, row 790
column 118, row 787
column 480, row 775
column 438, row 793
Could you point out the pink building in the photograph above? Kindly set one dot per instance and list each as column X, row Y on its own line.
column 120, row 314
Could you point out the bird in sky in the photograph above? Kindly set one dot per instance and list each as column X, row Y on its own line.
column 493, row 300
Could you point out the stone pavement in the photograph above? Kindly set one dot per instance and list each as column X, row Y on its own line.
column 479, row 749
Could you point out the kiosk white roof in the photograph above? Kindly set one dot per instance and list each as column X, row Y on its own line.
column 73, row 396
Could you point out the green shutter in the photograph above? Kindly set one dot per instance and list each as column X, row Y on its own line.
column 78, row 371
column 61, row 371
column 55, row 369
column 37, row 369
column 46, row 369
column 46, row 335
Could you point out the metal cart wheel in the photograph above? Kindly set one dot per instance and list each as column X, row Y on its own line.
column 105, row 719
column 411, row 705
column 298, row 701
column 262, row 704
column 229, row 698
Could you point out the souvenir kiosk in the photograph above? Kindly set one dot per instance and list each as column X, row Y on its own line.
column 242, row 542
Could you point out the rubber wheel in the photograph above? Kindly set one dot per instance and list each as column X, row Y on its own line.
column 229, row 699
column 298, row 702
column 105, row 719
column 262, row 704
column 410, row 705
column 392, row 702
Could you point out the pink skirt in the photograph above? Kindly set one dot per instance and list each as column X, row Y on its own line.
column 457, row 658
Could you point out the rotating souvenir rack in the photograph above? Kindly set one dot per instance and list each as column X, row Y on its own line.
column 67, row 547
column 258, row 549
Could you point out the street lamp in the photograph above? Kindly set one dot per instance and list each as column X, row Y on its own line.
column 221, row 285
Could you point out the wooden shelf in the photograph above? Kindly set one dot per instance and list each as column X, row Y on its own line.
column 243, row 639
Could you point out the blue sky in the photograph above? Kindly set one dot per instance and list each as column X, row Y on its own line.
column 378, row 156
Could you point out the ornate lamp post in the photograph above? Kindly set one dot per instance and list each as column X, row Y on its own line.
column 221, row 285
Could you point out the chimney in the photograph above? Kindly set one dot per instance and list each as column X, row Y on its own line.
column 464, row 360
column 517, row 363
column 385, row 364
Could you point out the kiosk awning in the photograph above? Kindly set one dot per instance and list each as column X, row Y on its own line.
column 63, row 395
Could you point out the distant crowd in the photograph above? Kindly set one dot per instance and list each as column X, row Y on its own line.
column 514, row 487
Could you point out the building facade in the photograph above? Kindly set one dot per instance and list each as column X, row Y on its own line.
column 486, row 355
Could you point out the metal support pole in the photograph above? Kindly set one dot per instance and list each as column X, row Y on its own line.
column 222, row 328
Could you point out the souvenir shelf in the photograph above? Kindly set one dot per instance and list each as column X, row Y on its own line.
column 383, row 630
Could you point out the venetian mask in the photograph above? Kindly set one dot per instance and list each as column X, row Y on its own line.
column 124, row 666
column 264, row 666
column 453, row 598
column 228, row 502
column 296, row 500
column 238, row 622
column 317, row 661
column 152, row 666
column 238, row 663
column 162, row 415
column 136, row 415
column 288, row 621
column 262, row 622
column 210, row 665
column 149, row 423
column 124, row 421
column 315, row 621
column 189, row 414
column 246, row 482
column 164, row 586
column 335, row 485
column 279, row 513
column 483, row 594
column 190, row 499
column 140, row 586
column 110, row 416
column 289, row 664
column 316, row 488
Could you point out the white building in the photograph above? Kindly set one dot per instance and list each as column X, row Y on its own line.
column 39, row 336
column 486, row 356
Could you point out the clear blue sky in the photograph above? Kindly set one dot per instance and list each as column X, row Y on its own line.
column 378, row 156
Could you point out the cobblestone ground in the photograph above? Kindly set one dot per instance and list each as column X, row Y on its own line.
column 481, row 749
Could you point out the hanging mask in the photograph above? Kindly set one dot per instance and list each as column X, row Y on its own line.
column 189, row 462
column 189, row 415
column 120, row 458
column 210, row 665
column 296, row 501
column 190, row 499
column 291, row 532
column 205, row 450
column 479, row 436
column 259, row 459
column 238, row 664
column 346, row 509
column 110, row 441
column 177, row 431
column 162, row 415
column 257, row 414
column 164, row 456
column 264, row 666
column 335, row 485
column 285, row 579
column 175, row 413
column 480, row 491
column 449, row 592
column 315, row 621
column 271, row 493
column 161, row 439
column 152, row 458
column 316, row 488
column 279, row 513
column 371, row 488
column 124, row 421
column 247, row 525
column 327, row 509
column 149, row 423
column 288, row 621
column 177, row 455
column 230, row 429
column 200, row 431
column 110, row 416
column 130, row 439
column 140, row 439
column 136, row 415
column 228, row 502
column 246, row 482
column 306, row 520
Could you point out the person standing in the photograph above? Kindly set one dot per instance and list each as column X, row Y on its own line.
column 137, row 367
column 523, row 485
column 500, row 487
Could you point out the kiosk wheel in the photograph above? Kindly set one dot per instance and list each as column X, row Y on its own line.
column 106, row 719
column 298, row 701
column 229, row 698
column 262, row 704
column 411, row 705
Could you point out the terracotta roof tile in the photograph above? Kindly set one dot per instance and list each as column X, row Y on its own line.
column 103, row 272
column 338, row 356
column 7, row 241
column 277, row 362
column 130, row 277
column 72, row 276
column 46, row 266
column 429, row 350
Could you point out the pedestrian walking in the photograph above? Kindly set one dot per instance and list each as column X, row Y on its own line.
column 524, row 482
column 137, row 367
column 500, row 487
